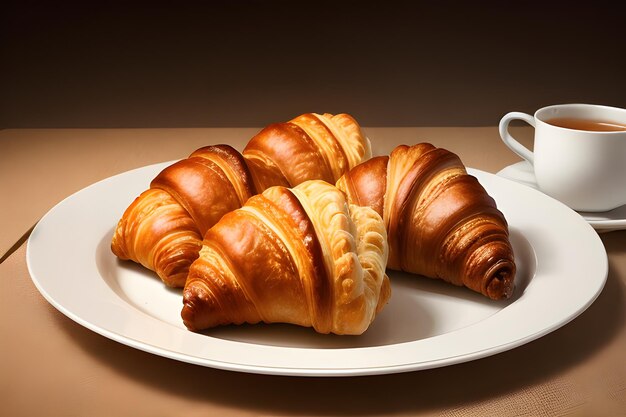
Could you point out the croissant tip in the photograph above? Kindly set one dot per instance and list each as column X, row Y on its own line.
column 190, row 310
column 199, row 311
column 501, row 285
column 188, row 315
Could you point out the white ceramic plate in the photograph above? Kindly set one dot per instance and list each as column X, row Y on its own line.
column 607, row 221
column 562, row 267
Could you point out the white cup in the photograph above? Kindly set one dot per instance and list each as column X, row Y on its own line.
column 585, row 169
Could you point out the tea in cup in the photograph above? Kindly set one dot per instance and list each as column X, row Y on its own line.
column 579, row 153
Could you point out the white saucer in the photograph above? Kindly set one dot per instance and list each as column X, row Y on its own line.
column 607, row 221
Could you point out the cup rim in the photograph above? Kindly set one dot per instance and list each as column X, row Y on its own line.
column 544, row 109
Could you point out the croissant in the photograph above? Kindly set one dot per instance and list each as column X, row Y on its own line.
column 301, row 256
column 163, row 228
column 440, row 221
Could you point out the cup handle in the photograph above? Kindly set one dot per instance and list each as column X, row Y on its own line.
column 509, row 141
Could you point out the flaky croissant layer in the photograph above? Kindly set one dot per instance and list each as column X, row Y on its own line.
column 163, row 228
column 301, row 256
column 440, row 221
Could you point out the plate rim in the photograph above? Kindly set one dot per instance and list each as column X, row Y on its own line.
column 300, row 371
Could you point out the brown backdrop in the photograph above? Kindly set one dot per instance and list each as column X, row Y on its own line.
column 246, row 63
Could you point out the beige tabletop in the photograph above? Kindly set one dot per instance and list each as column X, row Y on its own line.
column 49, row 365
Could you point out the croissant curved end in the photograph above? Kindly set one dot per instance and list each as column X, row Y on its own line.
column 190, row 310
column 500, row 280
column 197, row 310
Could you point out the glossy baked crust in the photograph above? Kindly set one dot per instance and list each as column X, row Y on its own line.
column 300, row 256
column 163, row 228
column 440, row 221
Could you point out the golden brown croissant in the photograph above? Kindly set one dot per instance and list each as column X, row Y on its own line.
column 440, row 221
column 300, row 256
column 163, row 228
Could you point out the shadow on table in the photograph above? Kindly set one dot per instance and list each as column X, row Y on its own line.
column 447, row 387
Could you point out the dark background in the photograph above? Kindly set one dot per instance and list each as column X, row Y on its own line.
column 249, row 63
